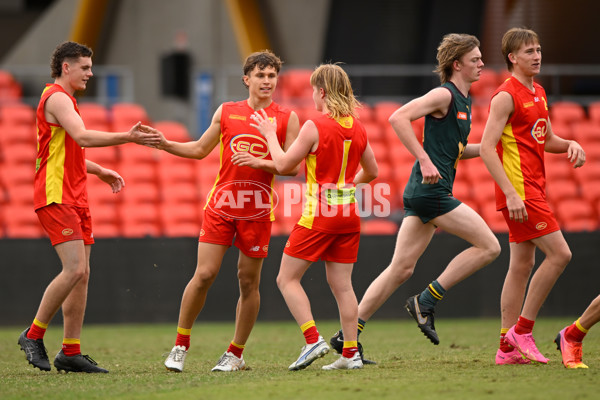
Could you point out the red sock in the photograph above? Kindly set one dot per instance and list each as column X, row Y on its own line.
column 36, row 332
column 504, row 346
column 524, row 326
column 183, row 337
column 311, row 335
column 236, row 349
column 71, row 349
column 349, row 352
column 574, row 334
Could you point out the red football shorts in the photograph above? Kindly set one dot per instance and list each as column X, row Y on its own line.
column 64, row 222
column 308, row 244
column 540, row 222
column 251, row 237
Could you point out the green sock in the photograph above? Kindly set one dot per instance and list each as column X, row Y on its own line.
column 361, row 326
column 432, row 294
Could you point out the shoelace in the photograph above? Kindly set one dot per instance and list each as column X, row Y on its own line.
column 577, row 354
column 89, row 359
column 531, row 344
column 178, row 355
column 37, row 349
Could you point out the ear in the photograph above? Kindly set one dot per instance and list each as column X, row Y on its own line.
column 512, row 58
column 245, row 79
column 456, row 65
column 322, row 93
column 65, row 67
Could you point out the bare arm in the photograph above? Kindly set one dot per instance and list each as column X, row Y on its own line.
column 555, row 144
column 247, row 159
column 369, row 169
column 436, row 103
column 59, row 110
column 471, row 151
column 197, row 149
column 501, row 108
column 109, row 176
column 286, row 161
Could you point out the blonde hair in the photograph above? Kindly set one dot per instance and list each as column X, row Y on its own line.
column 514, row 39
column 452, row 47
column 339, row 97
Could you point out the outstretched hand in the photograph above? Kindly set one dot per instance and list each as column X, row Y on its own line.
column 145, row 135
column 111, row 177
column 265, row 125
column 576, row 154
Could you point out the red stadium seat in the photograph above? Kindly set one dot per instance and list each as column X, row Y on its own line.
column 566, row 112
column 17, row 134
column 180, row 220
column 125, row 115
column 140, row 220
column 294, row 86
column 10, row 89
column 576, row 215
column 558, row 167
column 378, row 226
column 594, row 112
column 173, row 130
column 21, row 222
column 383, row 110
column 105, row 156
column 493, row 218
column 141, row 193
column 180, row 193
column 17, row 114
column 181, row 171
column 105, row 220
column 586, row 132
column 558, row 190
column 20, row 153
column 95, row 116
column 365, row 113
column 135, row 153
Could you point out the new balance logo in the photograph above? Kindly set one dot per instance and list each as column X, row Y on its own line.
column 255, row 248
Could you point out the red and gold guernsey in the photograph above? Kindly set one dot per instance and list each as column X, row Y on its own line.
column 242, row 192
column 330, row 191
column 521, row 146
column 60, row 171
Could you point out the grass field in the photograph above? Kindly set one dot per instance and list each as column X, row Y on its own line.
column 409, row 366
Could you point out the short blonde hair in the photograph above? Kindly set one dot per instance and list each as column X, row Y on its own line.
column 339, row 97
column 513, row 39
column 452, row 47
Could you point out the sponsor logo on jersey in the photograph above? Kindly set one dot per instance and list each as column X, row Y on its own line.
column 240, row 117
column 253, row 144
column 255, row 248
column 67, row 232
column 461, row 115
column 202, row 232
column 528, row 104
column 266, row 248
column 243, row 200
column 540, row 226
column 287, row 244
column 539, row 130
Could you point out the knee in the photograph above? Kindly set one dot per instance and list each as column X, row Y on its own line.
column 562, row 258
column 492, row 250
column 400, row 272
column 203, row 278
column 248, row 282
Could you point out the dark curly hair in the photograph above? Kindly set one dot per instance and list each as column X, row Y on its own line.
column 262, row 59
column 67, row 51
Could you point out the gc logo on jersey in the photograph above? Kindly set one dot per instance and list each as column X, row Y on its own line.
column 255, row 145
column 539, row 130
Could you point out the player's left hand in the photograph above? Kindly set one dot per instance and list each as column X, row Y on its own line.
column 111, row 177
column 264, row 124
column 576, row 154
column 245, row 159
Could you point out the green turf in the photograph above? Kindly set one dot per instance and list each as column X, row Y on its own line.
column 409, row 366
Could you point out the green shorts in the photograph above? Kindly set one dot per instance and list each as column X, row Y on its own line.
column 428, row 208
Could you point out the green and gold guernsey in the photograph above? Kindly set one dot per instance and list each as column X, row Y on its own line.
column 444, row 140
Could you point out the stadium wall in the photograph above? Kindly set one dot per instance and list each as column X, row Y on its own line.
column 142, row 280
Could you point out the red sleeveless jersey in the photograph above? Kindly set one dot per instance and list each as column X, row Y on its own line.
column 245, row 192
column 61, row 173
column 330, row 202
column 521, row 146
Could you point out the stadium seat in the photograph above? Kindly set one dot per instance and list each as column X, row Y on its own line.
column 180, row 220
column 135, row 153
column 95, row 116
column 10, row 89
column 21, row 222
column 125, row 115
column 16, row 174
column 479, row 113
column 462, row 190
column 558, row 190
column 173, row 130
column 383, row 110
column 594, row 112
column 20, row 194
column 15, row 133
column 378, row 226
column 140, row 220
column 576, row 215
column 374, row 131
column 180, row 171
column 105, row 220
column 563, row 129
column 566, row 112
column 365, row 113
column 105, row 156
column 294, row 86
column 558, row 167
column 482, row 90
column 136, row 192
column 493, row 218
column 181, row 192
column 476, row 132
column 586, row 132
column 20, row 153
column 17, row 114
column 590, row 190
